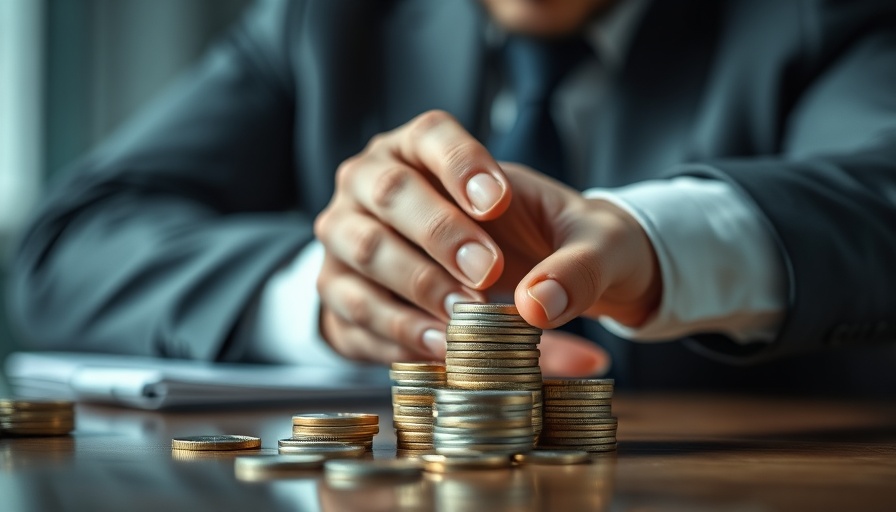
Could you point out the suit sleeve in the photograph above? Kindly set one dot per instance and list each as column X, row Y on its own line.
column 830, row 202
column 156, row 242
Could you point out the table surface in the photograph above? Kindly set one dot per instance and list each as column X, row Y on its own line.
column 676, row 452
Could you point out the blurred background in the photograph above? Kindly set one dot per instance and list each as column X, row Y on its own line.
column 70, row 72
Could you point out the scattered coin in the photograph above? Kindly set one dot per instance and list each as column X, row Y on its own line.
column 553, row 457
column 331, row 450
column 215, row 442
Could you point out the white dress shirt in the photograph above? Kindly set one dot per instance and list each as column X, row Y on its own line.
column 720, row 268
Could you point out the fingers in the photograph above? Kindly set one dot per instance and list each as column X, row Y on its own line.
column 371, row 324
column 437, row 142
column 605, row 265
column 568, row 355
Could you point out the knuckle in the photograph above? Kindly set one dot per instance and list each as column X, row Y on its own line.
column 367, row 242
column 424, row 279
column 429, row 120
column 322, row 223
column 389, row 184
column 347, row 170
column 439, row 226
column 356, row 308
column 460, row 157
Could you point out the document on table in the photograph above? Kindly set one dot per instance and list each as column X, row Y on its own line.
column 151, row 383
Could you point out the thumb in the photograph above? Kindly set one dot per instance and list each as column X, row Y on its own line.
column 562, row 286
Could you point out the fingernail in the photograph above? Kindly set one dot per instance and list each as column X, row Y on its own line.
column 435, row 342
column 475, row 261
column 452, row 298
column 484, row 191
column 550, row 296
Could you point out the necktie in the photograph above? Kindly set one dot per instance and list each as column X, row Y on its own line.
column 533, row 69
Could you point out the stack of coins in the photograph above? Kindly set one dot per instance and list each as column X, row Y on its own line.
column 413, row 385
column 343, row 427
column 490, row 346
column 482, row 421
column 36, row 417
column 577, row 415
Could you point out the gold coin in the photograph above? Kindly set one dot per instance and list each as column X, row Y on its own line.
column 419, row 367
column 493, row 356
column 335, row 419
column 498, row 372
column 412, row 401
column 454, row 378
column 437, row 463
column 413, row 419
column 515, row 362
column 66, row 424
column 400, row 375
column 36, row 431
column 482, row 307
column 579, row 419
column 215, row 442
column 495, row 397
column 34, row 404
column 355, row 429
column 346, row 438
column 406, row 445
column 553, row 457
column 494, row 341
column 494, row 386
column 414, row 437
column 594, row 448
column 410, row 410
column 413, row 427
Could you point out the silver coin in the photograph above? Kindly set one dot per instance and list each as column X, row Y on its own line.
column 328, row 450
column 488, row 340
column 372, row 469
column 466, row 440
column 481, row 307
column 473, row 370
column 496, row 431
column 504, row 324
column 475, row 409
column 495, row 397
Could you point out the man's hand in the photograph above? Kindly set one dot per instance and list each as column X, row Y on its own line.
column 419, row 220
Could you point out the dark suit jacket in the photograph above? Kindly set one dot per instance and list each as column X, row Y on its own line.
column 158, row 242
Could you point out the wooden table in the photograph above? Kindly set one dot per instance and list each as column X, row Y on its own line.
column 676, row 452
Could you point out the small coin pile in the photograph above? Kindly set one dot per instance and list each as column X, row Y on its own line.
column 577, row 415
column 482, row 421
column 342, row 427
column 491, row 347
column 413, row 387
column 36, row 417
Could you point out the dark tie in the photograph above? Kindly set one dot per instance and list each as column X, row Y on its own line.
column 533, row 68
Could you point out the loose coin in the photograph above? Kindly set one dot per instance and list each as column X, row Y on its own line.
column 215, row 442
column 553, row 457
column 328, row 450
column 446, row 463
column 372, row 469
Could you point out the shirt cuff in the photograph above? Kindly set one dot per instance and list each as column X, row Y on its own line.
column 285, row 327
column 720, row 268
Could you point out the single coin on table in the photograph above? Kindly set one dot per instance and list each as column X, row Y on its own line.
column 553, row 457
column 215, row 442
column 328, row 450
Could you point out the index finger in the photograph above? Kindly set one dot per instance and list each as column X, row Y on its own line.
column 436, row 141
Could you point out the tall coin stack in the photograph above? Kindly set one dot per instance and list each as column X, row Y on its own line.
column 36, row 417
column 483, row 421
column 413, row 386
column 344, row 427
column 577, row 415
column 491, row 347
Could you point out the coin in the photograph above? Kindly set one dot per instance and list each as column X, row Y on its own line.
column 34, row 404
column 597, row 399
column 479, row 307
column 372, row 469
column 509, row 449
column 498, row 362
column 335, row 419
column 574, row 384
column 576, row 441
column 215, row 442
column 496, row 357
column 419, row 367
column 327, row 450
column 492, row 377
column 553, row 457
column 441, row 463
column 475, row 409
column 497, row 430
column 493, row 341
column 492, row 332
column 411, row 410
column 557, row 432
column 495, row 397
column 484, row 423
column 509, row 323
column 412, row 376
column 497, row 372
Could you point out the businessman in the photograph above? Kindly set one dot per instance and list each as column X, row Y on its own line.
column 334, row 175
